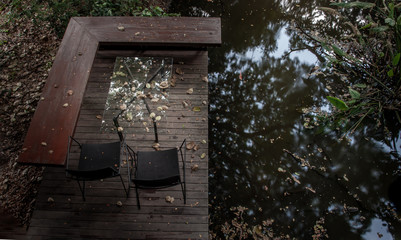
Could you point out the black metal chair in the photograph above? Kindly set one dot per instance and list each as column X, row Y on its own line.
column 99, row 161
column 159, row 169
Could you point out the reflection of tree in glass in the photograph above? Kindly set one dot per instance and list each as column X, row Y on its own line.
column 138, row 93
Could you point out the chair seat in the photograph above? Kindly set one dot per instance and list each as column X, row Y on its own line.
column 157, row 168
column 92, row 174
column 99, row 156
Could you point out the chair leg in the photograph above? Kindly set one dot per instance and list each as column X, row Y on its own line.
column 184, row 192
column 137, row 198
column 125, row 189
column 82, row 189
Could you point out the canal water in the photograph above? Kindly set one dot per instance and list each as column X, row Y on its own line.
column 290, row 180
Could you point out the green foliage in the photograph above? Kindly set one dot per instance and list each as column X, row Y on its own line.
column 367, row 60
column 59, row 12
column 337, row 103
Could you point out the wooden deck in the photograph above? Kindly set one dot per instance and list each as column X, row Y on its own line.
column 57, row 113
column 68, row 217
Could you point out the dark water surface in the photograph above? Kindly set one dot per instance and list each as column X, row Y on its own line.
column 261, row 155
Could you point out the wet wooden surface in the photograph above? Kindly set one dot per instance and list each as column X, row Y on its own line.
column 57, row 113
column 68, row 217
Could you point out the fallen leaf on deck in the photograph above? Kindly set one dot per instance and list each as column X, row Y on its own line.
column 119, row 204
column 190, row 91
column 65, row 105
column 204, row 141
column 185, row 104
column 173, row 80
column 50, row 200
column 99, row 117
column 70, row 92
column 155, row 100
column 204, row 78
column 158, row 118
column 152, row 115
column 120, row 129
column 51, row 151
column 190, row 145
column 121, row 28
column 156, row 146
column 196, row 109
column 196, row 147
column 179, row 71
column 203, row 155
column 194, row 168
column 43, row 143
column 169, row 199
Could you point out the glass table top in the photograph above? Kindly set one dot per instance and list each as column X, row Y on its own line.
column 138, row 94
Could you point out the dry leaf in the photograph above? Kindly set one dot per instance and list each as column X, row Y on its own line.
column 310, row 189
column 156, row 146
column 123, row 106
column 179, row 71
column 185, row 104
column 196, row 109
column 190, row 91
column 164, row 84
column 70, row 92
column 295, row 179
column 169, row 199
column 194, row 168
column 190, row 145
column 155, row 100
column 281, row 170
column 158, row 118
column 120, row 129
column 99, row 117
column 65, row 105
column 51, row 151
column 203, row 155
column 204, row 78
column 121, row 28
column 196, row 147
column 50, row 200
column 43, row 144
column 152, row 115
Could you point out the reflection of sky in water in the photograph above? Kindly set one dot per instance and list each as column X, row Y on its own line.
column 378, row 230
column 283, row 42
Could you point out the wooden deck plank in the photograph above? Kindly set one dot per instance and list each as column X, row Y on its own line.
column 68, row 217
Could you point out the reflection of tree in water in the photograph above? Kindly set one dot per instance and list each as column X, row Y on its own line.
column 255, row 113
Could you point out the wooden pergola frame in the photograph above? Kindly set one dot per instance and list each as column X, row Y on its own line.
column 58, row 110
